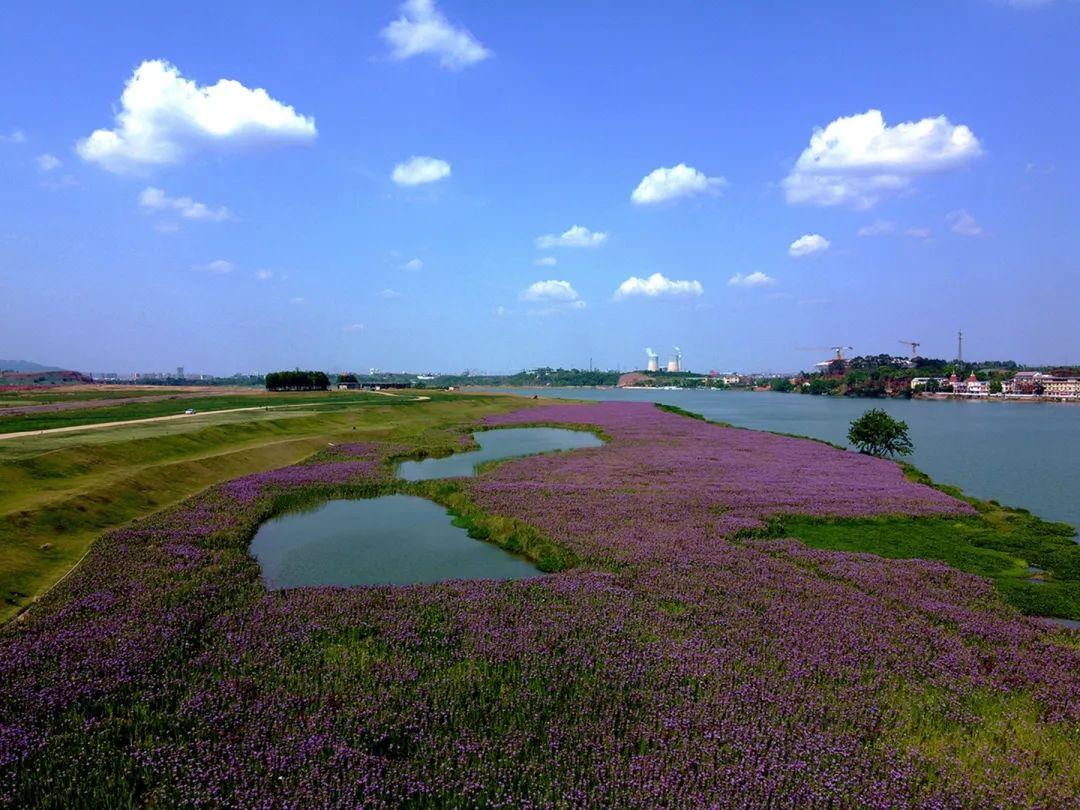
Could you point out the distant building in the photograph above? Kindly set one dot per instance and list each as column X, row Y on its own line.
column 1064, row 387
column 924, row 381
column 1037, row 384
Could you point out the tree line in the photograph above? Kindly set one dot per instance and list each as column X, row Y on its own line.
column 297, row 380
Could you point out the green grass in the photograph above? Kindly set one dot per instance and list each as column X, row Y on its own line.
column 170, row 407
column 59, row 492
column 999, row 544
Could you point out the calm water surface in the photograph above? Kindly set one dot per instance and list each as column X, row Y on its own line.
column 495, row 445
column 392, row 540
column 1022, row 454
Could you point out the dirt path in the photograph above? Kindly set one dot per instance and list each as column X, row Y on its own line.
column 126, row 422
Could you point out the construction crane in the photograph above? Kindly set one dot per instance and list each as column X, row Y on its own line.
column 838, row 349
column 914, row 344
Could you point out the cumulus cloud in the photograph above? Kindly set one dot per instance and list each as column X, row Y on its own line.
column 755, row 279
column 47, row 162
column 546, row 261
column 880, row 227
column 808, row 245
column 264, row 275
column 576, row 236
column 550, row 290
column 155, row 199
column 657, row 285
column 857, row 160
column 664, row 184
column 963, row 223
column 14, row 136
column 218, row 266
column 353, row 327
column 418, row 170
column 163, row 117
column 389, row 293
column 413, row 264
column 422, row 28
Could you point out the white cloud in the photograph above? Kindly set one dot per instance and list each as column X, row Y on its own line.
column 163, row 117
column 500, row 311
column 413, row 264
column 388, row 294
column 857, row 160
column 218, row 266
column 47, row 162
column 154, row 199
column 755, row 279
column 551, row 290
column 298, row 301
column 919, row 233
column 576, row 236
column 418, row 170
column 14, row 136
column 963, row 223
column 663, row 184
column 546, row 261
column 422, row 28
column 880, row 227
column 657, row 285
column 264, row 275
column 808, row 245
column 353, row 327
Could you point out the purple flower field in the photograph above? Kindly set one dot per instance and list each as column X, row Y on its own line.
column 683, row 663
column 667, row 484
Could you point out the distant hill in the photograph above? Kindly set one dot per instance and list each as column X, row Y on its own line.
column 36, row 378
column 25, row 365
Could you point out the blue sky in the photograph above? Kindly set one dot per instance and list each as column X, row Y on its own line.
column 253, row 203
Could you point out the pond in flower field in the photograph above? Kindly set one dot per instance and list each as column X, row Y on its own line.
column 391, row 540
column 496, row 445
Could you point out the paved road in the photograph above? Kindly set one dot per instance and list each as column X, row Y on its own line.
column 102, row 425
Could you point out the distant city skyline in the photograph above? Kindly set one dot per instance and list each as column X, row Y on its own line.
column 460, row 184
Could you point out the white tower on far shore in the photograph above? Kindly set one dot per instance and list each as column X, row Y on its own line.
column 675, row 363
column 654, row 360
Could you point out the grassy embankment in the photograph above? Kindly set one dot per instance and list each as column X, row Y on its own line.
column 79, row 393
column 257, row 398
column 59, row 492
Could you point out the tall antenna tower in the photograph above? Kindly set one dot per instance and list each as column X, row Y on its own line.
column 960, row 347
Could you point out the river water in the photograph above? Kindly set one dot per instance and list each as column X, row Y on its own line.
column 1023, row 454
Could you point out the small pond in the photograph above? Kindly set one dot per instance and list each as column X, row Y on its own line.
column 391, row 540
column 495, row 445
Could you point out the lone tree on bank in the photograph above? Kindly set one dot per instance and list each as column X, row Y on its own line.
column 878, row 434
